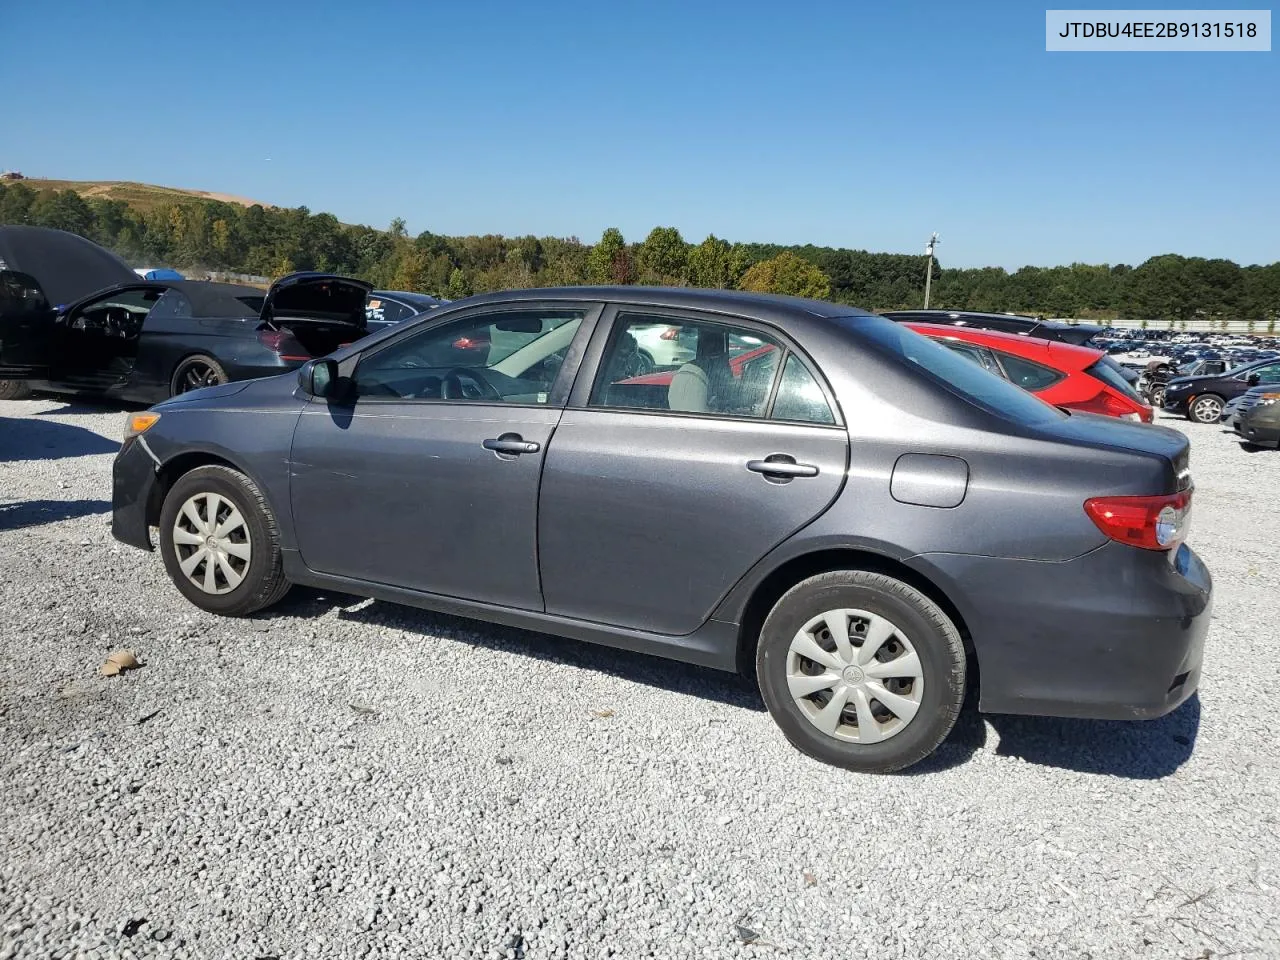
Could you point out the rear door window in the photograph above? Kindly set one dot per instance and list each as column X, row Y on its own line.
column 686, row 366
column 979, row 355
column 1027, row 374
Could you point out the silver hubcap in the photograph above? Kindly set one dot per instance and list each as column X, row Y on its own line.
column 855, row 676
column 212, row 543
column 1209, row 408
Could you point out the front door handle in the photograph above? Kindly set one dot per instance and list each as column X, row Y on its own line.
column 512, row 443
column 780, row 466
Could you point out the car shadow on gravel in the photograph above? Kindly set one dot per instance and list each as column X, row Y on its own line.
column 1136, row 750
column 89, row 407
column 35, row 513
column 663, row 674
column 26, row 438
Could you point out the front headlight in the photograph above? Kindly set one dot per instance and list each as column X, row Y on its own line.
column 1267, row 399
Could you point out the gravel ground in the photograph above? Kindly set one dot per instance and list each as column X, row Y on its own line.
column 346, row 778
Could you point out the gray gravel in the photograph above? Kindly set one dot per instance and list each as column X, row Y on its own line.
column 346, row 778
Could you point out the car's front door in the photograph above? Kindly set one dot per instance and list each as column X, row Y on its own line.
column 427, row 478
column 96, row 339
column 662, row 488
column 26, row 328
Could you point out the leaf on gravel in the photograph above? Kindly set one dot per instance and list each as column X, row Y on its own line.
column 361, row 708
column 602, row 714
column 149, row 716
column 746, row 934
column 504, row 761
column 809, row 879
column 119, row 662
column 131, row 927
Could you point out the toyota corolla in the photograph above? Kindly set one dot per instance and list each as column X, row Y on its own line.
column 853, row 512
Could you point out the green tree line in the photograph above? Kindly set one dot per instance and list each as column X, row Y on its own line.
column 212, row 235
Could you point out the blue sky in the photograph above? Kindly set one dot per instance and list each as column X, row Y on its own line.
column 849, row 123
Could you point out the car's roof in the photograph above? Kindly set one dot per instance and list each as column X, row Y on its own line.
column 411, row 296
column 211, row 299
column 1066, row 356
column 691, row 298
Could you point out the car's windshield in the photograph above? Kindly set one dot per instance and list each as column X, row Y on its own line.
column 961, row 375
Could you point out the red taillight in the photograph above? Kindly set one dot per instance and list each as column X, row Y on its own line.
column 1113, row 405
column 671, row 333
column 1152, row 523
column 284, row 343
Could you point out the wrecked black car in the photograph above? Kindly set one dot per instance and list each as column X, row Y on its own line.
column 76, row 319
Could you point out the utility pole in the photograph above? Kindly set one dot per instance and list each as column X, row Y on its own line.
column 928, row 274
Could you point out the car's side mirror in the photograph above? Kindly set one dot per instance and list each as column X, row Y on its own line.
column 1254, row 379
column 320, row 379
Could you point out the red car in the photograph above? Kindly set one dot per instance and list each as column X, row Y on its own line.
column 1077, row 378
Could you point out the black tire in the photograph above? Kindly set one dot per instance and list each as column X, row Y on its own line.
column 936, row 641
column 195, row 372
column 263, row 581
column 14, row 390
column 1206, row 408
column 1157, row 396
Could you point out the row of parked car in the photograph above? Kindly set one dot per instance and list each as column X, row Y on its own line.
column 1207, row 378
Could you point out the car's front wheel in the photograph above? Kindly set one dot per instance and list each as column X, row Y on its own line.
column 1205, row 409
column 220, row 544
column 861, row 670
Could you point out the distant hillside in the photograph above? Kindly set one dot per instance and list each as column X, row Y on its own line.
column 140, row 196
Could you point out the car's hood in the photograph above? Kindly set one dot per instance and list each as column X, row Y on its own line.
column 317, row 297
column 67, row 267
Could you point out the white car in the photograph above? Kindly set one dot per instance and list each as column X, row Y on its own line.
column 666, row 345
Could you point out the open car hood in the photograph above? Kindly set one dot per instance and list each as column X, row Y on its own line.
column 317, row 298
column 67, row 267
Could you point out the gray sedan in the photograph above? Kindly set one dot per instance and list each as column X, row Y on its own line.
column 815, row 494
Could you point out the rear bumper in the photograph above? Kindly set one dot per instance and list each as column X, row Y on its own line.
column 1116, row 634
column 134, row 488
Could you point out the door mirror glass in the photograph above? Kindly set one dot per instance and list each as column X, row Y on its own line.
column 316, row 378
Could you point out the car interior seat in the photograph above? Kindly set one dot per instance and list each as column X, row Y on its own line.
column 704, row 384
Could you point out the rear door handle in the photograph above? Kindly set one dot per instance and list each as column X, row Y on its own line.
column 512, row 443
column 782, row 465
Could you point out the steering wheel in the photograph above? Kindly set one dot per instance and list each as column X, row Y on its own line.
column 455, row 383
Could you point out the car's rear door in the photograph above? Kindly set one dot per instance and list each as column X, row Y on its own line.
column 662, row 489
column 428, row 480
column 26, row 328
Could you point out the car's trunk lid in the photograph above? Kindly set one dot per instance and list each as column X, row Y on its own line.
column 321, row 310
column 1160, row 443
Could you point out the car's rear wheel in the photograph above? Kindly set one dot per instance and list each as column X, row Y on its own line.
column 220, row 544
column 196, row 372
column 861, row 670
column 14, row 390
column 1205, row 409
